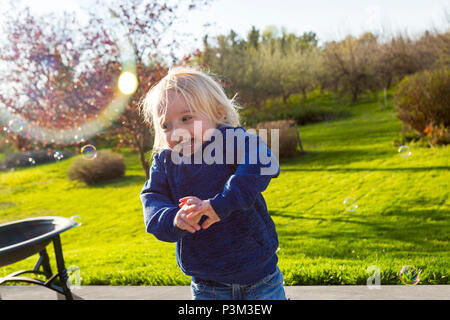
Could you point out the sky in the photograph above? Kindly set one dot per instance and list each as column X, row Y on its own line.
column 329, row 19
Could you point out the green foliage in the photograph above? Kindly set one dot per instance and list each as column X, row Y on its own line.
column 276, row 64
column 314, row 109
column 105, row 166
column 267, row 65
column 423, row 101
column 32, row 158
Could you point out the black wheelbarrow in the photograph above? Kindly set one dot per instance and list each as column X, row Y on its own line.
column 24, row 238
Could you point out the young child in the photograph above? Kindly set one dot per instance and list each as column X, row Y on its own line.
column 225, row 238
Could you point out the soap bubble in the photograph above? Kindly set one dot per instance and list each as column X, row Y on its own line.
column 76, row 219
column 350, row 204
column 31, row 160
column 58, row 155
column 410, row 275
column 89, row 152
column 404, row 151
column 16, row 125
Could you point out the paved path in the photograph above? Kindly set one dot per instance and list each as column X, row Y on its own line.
column 428, row 292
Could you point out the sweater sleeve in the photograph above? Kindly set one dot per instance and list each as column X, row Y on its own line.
column 256, row 166
column 159, row 210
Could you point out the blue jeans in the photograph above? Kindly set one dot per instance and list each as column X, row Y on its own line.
column 268, row 288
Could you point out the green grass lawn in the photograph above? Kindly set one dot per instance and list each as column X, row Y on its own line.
column 402, row 216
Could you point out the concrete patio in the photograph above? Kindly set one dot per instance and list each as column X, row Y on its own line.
column 425, row 292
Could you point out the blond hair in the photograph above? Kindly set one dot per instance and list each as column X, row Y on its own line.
column 202, row 94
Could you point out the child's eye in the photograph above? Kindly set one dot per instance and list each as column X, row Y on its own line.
column 186, row 118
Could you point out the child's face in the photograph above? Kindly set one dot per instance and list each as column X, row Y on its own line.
column 179, row 117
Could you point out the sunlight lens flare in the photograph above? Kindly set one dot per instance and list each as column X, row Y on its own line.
column 128, row 83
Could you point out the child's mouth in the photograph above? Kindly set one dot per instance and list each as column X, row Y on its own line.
column 190, row 143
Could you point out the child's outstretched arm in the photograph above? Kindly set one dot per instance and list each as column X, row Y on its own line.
column 159, row 210
column 249, row 179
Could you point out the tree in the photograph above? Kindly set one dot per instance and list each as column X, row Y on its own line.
column 60, row 80
column 352, row 62
column 268, row 65
column 298, row 70
column 253, row 37
column 395, row 59
column 146, row 23
column 50, row 86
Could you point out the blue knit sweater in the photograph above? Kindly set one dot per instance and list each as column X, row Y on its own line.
column 241, row 247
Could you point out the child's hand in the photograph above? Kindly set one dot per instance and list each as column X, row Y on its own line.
column 182, row 222
column 189, row 200
column 197, row 208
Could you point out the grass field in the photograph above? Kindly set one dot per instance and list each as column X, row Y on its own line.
column 402, row 216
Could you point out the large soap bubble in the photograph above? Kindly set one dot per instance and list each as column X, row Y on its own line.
column 410, row 275
column 350, row 204
column 404, row 152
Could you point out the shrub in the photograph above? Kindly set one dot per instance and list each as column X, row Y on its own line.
column 301, row 114
column 311, row 114
column 105, row 166
column 33, row 157
column 423, row 104
column 289, row 137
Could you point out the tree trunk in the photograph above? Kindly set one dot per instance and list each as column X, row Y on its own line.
column 285, row 97
column 389, row 82
column 355, row 93
column 22, row 143
column 141, row 143
column 144, row 163
column 304, row 94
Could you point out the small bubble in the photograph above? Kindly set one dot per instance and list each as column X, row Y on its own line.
column 350, row 204
column 58, row 155
column 76, row 219
column 410, row 275
column 404, row 152
column 89, row 152
column 16, row 125
column 31, row 160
